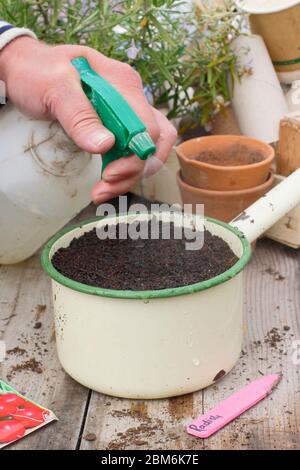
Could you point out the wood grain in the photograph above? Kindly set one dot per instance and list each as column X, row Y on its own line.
column 287, row 229
column 272, row 300
column 288, row 158
column 25, row 305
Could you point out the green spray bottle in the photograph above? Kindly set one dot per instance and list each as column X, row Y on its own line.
column 131, row 136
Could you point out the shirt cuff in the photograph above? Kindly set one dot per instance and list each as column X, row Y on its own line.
column 8, row 33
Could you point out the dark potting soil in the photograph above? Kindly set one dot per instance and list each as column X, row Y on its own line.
column 126, row 264
column 237, row 155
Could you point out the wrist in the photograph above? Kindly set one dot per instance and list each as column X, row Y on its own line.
column 12, row 52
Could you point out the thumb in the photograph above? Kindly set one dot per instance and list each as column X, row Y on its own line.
column 70, row 106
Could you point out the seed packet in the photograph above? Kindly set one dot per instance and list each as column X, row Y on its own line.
column 19, row 416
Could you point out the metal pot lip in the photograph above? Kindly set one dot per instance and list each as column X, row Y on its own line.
column 146, row 294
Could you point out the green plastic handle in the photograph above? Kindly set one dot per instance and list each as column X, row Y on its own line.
column 130, row 132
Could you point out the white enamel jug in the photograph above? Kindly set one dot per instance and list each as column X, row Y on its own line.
column 45, row 180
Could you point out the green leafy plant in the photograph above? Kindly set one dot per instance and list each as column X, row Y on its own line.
column 182, row 54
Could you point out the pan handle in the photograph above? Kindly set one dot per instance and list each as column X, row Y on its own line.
column 270, row 208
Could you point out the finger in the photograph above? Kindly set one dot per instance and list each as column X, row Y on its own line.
column 104, row 191
column 127, row 167
column 77, row 116
column 122, row 168
column 167, row 139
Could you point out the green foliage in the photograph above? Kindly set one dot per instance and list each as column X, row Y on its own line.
column 177, row 48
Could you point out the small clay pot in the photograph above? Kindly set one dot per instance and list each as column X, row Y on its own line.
column 225, row 162
column 225, row 123
column 222, row 205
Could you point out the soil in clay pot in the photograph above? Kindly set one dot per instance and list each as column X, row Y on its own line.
column 233, row 157
column 225, row 122
column 127, row 264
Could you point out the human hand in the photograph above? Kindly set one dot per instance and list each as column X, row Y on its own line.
column 43, row 83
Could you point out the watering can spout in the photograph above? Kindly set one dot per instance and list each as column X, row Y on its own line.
column 270, row 208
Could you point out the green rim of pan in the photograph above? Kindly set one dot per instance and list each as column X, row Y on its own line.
column 146, row 294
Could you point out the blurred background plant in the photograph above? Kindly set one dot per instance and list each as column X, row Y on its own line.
column 181, row 51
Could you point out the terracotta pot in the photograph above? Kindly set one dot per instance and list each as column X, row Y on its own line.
column 277, row 21
column 281, row 33
column 231, row 162
column 225, row 123
column 222, row 205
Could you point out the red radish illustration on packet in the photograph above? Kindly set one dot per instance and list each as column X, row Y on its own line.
column 19, row 416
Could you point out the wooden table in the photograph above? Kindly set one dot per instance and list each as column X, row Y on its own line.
column 272, row 300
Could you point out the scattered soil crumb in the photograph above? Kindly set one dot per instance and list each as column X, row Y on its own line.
column 90, row 437
column 39, row 310
column 273, row 338
column 119, row 414
column 17, row 351
column 219, row 375
column 31, row 365
column 139, row 442
column 277, row 276
column 136, row 436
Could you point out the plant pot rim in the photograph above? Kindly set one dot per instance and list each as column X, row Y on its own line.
column 225, row 193
column 268, row 157
column 251, row 7
column 147, row 294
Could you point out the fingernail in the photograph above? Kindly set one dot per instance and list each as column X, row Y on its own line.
column 109, row 175
column 103, row 196
column 102, row 137
column 153, row 164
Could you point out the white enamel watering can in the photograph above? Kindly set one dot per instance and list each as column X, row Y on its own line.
column 160, row 343
column 45, row 180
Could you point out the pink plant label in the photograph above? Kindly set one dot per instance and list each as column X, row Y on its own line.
column 229, row 409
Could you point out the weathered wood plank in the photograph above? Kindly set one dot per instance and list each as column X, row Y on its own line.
column 140, row 424
column 26, row 322
column 272, row 300
column 287, row 229
column 288, row 155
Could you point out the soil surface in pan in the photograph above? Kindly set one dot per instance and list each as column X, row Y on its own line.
column 149, row 264
column 237, row 155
